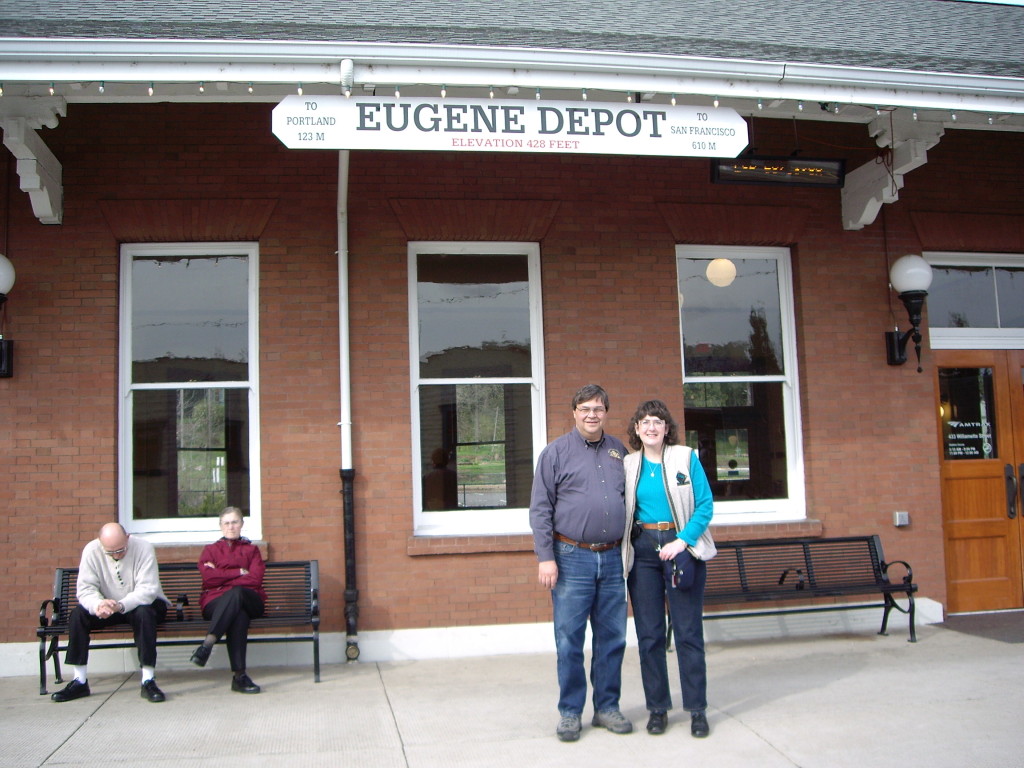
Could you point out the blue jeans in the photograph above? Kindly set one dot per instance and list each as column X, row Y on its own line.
column 648, row 590
column 590, row 587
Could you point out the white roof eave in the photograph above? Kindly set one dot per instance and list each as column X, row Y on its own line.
column 390, row 64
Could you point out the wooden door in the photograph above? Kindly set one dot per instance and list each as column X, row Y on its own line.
column 981, row 415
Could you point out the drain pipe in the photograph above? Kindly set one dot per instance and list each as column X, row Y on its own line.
column 347, row 472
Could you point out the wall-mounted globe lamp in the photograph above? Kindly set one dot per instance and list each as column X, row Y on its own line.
column 910, row 276
column 6, row 345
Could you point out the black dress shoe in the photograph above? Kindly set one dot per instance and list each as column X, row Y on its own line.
column 699, row 725
column 73, row 690
column 151, row 692
column 200, row 656
column 657, row 722
column 243, row 684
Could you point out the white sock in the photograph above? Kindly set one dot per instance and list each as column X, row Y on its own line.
column 81, row 673
column 148, row 673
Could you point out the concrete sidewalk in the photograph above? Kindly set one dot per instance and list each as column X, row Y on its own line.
column 952, row 699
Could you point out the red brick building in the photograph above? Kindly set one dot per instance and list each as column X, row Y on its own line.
column 203, row 315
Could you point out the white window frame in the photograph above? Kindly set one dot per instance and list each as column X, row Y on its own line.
column 198, row 529
column 470, row 522
column 973, row 338
column 794, row 507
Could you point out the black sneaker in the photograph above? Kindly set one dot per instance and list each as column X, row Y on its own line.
column 73, row 690
column 699, row 725
column 200, row 656
column 151, row 692
column 244, row 684
column 657, row 722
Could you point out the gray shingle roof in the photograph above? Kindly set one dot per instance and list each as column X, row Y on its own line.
column 917, row 35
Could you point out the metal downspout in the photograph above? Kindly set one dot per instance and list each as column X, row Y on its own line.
column 347, row 471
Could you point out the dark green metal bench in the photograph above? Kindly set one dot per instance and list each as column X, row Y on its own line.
column 787, row 570
column 293, row 600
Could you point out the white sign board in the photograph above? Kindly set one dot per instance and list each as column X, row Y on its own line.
column 500, row 125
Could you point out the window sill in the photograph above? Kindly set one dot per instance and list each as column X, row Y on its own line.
column 467, row 545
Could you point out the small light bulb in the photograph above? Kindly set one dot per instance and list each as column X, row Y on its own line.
column 914, row 115
column 537, row 95
column 347, row 91
column 952, row 116
column 490, row 92
column 760, row 104
column 991, row 120
column 150, row 89
column 250, row 87
column 1, row 89
column 103, row 87
column 52, row 89
column 299, row 90
column 444, row 91
column 673, row 99
column 715, row 102
column 202, row 88
column 835, row 108
column 584, row 94
column 398, row 92
column 800, row 106
column 629, row 98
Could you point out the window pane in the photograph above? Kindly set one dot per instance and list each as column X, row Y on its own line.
column 190, row 452
column 967, row 410
column 477, row 447
column 1010, row 291
column 738, row 422
column 735, row 328
column 474, row 315
column 190, row 319
column 961, row 297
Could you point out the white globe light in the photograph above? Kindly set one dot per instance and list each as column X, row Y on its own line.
column 910, row 273
column 6, row 274
column 721, row 272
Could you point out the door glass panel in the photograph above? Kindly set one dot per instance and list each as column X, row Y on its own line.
column 967, row 411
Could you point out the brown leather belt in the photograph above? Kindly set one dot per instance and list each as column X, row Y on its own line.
column 659, row 526
column 602, row 547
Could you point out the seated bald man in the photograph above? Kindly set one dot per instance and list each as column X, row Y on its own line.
column 118, row 583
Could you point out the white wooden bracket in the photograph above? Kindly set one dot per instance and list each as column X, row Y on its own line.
column 39, row 171
column 873, row 184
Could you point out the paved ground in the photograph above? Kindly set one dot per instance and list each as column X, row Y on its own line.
column 952, row 699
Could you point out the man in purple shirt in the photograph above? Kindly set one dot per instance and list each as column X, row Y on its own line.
column 578, row 513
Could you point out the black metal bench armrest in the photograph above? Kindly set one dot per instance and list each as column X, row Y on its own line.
column 47, row 621
column 908, row 577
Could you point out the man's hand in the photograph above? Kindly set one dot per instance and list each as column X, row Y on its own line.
column 547, row 574
column 106, row 608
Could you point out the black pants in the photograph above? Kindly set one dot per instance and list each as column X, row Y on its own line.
column 143, row 620
column 230, row 615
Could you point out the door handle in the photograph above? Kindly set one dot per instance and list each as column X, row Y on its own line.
column 1011, row 490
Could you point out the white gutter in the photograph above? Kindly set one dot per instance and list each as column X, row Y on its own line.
column 129, row 61
column 344, row 364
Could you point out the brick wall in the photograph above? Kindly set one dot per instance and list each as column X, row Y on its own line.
column 610, row 316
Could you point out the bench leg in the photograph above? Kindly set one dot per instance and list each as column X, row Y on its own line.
column 45, row 654
column 890, row 603
column 316, row 656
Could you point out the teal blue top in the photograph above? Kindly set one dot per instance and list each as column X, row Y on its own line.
column 651, row 501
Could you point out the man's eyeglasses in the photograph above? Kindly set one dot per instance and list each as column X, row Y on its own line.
column 116, row 552
column 599, row 411
column 648, row 423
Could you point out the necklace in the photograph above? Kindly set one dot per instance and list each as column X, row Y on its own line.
column 654, row 467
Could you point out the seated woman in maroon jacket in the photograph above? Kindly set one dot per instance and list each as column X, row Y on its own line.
column 232, row 570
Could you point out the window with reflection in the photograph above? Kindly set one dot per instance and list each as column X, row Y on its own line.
column 188, row 336
column 741, row 410
column 476, row 359
column 976, row 296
